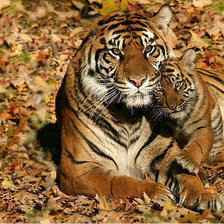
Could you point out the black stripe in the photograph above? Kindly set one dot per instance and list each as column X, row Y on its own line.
column 111, row 19
column 70, row 156
column 216, row 87
column 98, row 120
column 150, row 139
column 219, row 127
column 162, row 48
column 200, row 119
column 97, row 54
column 211, row 76
column 140, row 17
column 200, row 127
column 158, row 159
column 114, row 26
column 175, row 169
column 84, row 41
column 103, row 41
column 93, row 146
column 169, row 70
column 171, row 182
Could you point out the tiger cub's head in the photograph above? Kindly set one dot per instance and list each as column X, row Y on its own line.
column 121, row 58
column 179, row 86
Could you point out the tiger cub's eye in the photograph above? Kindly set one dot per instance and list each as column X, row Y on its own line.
column 178, row 84
column 149, row 49
column 115, row 52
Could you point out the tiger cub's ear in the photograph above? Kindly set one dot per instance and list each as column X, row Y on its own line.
column 188, row 60
column 162, row 18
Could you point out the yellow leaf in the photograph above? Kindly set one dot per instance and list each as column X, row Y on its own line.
column 52, row 81
column 53, row 116
column 49, row 193
column 7, row 184
column 21, row 88
column 3, row 147
column 11, row 96
column 103, row 203
column 169, row 205
column 17, row 48
column 217, row 36
column 53, row 174
column 11, row 131
column 191, row 10
column 109, row 6
column 188, row 218
column 48, row 98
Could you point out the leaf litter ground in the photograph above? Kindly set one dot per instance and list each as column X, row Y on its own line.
column 37, row 41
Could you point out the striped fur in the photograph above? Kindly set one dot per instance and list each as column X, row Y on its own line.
column 215, row 80
column 192, row 112
column 109, row 143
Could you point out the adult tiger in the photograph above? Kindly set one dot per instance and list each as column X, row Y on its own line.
column 192, row 113
column 109, row 144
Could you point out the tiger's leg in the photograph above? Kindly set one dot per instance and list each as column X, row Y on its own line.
column 89, row 179
column 83, row 171
column 197, row 150
column 185, row 185
column 216, row 155
column 194, row 196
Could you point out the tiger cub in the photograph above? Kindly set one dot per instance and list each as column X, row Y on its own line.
column 191, row 112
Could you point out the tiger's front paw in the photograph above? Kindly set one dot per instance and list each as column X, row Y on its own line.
column 159, row 191
column 186, row 160
column 199, row 201
column 192, row 195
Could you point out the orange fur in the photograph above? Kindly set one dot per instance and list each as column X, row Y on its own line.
column 193, row 113
column 109, row 144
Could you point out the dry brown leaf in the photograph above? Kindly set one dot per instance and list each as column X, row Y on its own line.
column 201, row 3
column 3, row 4
column 196, row 41
column 103, row 203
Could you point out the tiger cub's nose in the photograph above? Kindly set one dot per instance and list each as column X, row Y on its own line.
column 137, row 81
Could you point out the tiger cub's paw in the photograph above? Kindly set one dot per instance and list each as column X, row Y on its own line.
column 201, row 201
column 184, row 159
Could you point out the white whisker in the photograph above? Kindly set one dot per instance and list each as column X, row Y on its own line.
column 108, row 103
column 106, row 98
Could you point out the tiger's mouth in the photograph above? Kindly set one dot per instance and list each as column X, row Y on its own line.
column 137, row 100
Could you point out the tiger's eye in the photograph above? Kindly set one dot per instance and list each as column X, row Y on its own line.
column 116, row 51
column 149, row 49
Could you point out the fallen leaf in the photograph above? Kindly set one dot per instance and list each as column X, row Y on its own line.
column 196, row 41
column 111, row 5
column 103, row 203
column 201, row 3
column 7, row 184
column 3, row 4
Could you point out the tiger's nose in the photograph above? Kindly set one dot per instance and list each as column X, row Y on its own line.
column 137, row 81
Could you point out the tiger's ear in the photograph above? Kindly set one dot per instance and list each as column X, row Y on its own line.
column 188, row 60
column 162, row 18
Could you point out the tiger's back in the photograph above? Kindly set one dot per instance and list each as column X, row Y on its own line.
column 215, row 80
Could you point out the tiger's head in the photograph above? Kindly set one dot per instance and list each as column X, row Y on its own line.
column 121, row 57
column 179, row 86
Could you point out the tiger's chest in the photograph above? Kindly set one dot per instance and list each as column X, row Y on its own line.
column 121, row 142
column 131, row 148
